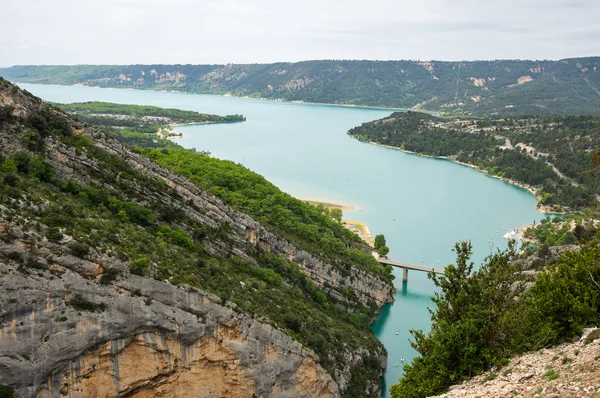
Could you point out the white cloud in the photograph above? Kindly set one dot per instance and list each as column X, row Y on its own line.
column 221, row 31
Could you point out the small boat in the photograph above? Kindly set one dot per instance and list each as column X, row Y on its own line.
column 402, row 359
column 396, row 333
column 396, row 365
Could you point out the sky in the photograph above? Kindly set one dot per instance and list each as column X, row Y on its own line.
column 262, row 31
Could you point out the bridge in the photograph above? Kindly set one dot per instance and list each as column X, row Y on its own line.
column 406, row 266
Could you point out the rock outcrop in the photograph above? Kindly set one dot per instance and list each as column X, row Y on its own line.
column 151, row 339
column 565, row 371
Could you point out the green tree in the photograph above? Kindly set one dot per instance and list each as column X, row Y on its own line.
column 383, row 250
column 336, row 214
column 379, row 241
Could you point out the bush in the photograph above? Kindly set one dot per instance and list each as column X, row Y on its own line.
column 11, row 180
column 79, row 249
column 82, row 304
column 53, row 234
column 109, row 275
column 6, row 392
column 140, row 266
column 15, row 256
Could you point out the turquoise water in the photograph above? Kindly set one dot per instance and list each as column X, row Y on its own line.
column 422, row 205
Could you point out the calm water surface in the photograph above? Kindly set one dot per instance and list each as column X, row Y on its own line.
column 422, row 205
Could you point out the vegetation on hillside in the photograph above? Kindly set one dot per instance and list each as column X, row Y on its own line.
column 146, row 113
column 550, row 154
column 129, row 123
column 115, row 209
column 503, row 87
column 563, row 230
column 481, row 318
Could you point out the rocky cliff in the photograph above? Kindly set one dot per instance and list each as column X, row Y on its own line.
column 76, row 322
column 151, row 338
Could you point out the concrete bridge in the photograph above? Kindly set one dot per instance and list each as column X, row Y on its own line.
column 405, row 267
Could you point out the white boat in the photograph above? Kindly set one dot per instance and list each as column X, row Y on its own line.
column 402, row 359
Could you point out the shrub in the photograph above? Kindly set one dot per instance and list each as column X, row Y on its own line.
column 6, row 392
column 15, row 256
column 109, row 275
column 82, row 304
column 11, row 180
column 54, row 234
column 140, row 266
column 79, row 249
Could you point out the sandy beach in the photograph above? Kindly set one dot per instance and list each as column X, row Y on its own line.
column 328, row 205
column 360, row 229
column 357, row 227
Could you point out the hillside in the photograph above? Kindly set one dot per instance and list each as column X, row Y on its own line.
column 569, row 370
column 110, row 262
column 550, row 155
column 504, row 87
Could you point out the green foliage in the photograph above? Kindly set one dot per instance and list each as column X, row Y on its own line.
column 560, row 231
column 477, row 87
column 6, row 392
column 79, row 249
column 383, row 250
column 54, row 234
column 379, row 241
column 477, row 323
column 109, row 275
column 567, row 143
column 300, row 223
column 140, row 266
column 102, row 113
column 80, row 303
column 336, row 214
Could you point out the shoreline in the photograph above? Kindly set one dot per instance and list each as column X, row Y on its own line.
column 360, row 229
column 330, row 205
column 171, row 127
column 531, row 189
column 297, row 102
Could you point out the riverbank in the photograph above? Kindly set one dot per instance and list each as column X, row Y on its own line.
column 328, row 205
column 531, row 189
column 168, row 133
column 360, row 229
column 357, row 227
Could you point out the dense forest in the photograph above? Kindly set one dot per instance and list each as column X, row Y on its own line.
column 116, row 211
column 551, row 154
column 503, row 87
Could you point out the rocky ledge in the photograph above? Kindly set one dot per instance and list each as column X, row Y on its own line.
column 566, row 371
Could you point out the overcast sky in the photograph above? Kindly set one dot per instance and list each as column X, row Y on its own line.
column 237, row 31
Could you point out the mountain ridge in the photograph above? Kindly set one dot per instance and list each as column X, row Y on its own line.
column 500, row 87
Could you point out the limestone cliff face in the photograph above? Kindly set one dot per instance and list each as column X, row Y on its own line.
column 152, row 339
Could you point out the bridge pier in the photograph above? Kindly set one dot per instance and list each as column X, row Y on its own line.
column 404, row 274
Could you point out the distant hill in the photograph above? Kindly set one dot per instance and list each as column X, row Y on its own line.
column 506, row 87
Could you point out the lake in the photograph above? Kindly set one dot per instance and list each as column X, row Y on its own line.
column 422, row 205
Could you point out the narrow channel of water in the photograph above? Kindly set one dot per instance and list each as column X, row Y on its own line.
column 422, row 205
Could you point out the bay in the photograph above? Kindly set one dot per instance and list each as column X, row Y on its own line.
column 422, row 205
